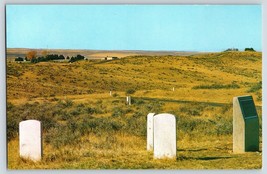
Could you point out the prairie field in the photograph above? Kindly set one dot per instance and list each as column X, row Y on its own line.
column 87, row 125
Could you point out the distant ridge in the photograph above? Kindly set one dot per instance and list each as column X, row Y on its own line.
column 16, row 52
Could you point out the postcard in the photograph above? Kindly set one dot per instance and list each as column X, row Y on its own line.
column 134, row 86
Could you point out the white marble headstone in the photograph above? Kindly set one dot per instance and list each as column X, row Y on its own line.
column 150, row 131
column 30, row 140
column 164, row 136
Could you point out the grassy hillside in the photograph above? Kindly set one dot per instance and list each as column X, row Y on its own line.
column 85, row 127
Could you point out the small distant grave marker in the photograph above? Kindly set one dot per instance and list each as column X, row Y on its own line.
column 245, row 125
column 164, row 136
column 30, row 140
column 128, row 100
column 150, row 131
column 110, row 93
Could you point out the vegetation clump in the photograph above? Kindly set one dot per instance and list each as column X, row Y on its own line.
column 231, row 49
column 19, row 59
column 77, row 58
column 249, row 49
column 130, row 91
column 217, row 86
column 255, row 87
column 47, row 58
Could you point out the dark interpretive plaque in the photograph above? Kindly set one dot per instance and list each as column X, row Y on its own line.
column 245, row 125
column 247, row 107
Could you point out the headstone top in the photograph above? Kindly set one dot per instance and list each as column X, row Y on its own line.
column 170, row 116
column 29, row 121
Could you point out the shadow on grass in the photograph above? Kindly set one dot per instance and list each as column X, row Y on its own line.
column 191, row 150
column 207, row 158
column 213, row 158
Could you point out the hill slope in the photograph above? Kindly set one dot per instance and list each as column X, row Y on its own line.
column 86, row 128
column 230, row 73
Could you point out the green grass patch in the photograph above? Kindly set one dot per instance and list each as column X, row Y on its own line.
column 217, row 86
column 255, row 87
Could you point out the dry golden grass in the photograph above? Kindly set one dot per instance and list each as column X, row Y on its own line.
column 204, row 86
column 128, row 152
column 153, row 74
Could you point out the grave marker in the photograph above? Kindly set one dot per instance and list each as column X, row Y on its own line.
column 128, row 100
column 245, row 125
column 164, row 136
column 30, row 140
column 150, row 132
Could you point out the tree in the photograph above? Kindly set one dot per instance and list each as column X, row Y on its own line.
column 61, row 57
column 44, row 53
column 31, row 54
column 231, row 49
column 34, row 60
column 19, row 59
column 249, row 49
column 77, row 58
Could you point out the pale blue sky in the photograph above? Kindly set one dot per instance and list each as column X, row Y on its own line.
column 134, row 27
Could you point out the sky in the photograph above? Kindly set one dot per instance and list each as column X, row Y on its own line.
column 134, row 27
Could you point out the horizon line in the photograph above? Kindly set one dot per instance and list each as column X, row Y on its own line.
column 122, row 50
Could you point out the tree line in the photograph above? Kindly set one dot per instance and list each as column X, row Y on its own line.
column 33, row 58
column 235, row 49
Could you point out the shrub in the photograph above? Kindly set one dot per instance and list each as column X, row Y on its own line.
column 87, row 125
column 136, row 125
column 194, row 109
column 43, row 112
column 67, row 103
column 138, row 101
column 187, row 125
column 90, row 110
column 217, row 86
column 64, row 115
column 116, row 125
column 224, row 126
column 130, row 91
column 12, row 71
column 62, row 136
column 117, row 112
column 12, row 126
column 155, row 106
column 259, row 96
column 115, row 95
column 256, row 87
